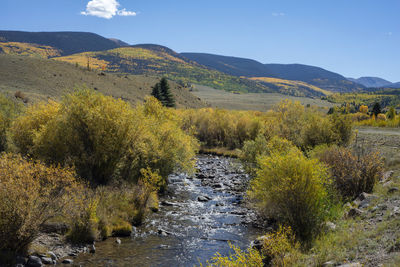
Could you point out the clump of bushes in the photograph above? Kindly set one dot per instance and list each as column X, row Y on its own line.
column 351, row 174
column 9, row 110
column 293, row 190
column 31, row 194
column 104, row 138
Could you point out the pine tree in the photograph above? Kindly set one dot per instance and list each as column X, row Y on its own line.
column 165, row 91
column 376, row 109
column 156, row 92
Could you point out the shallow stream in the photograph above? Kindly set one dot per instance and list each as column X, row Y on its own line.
column 198, row 216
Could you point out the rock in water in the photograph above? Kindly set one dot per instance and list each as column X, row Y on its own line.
column 34, row 261
column 118, row 241
column 67, row 261
column 52, row 255
column 92, row 249
column 47, row 260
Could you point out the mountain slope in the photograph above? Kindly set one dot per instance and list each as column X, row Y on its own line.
column 39, row 79
column 250, row 68
column 371, row 81
column 152, row 59
column 66, row 42
column 159, row 60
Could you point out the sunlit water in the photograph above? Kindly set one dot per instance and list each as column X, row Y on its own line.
column 190, row 231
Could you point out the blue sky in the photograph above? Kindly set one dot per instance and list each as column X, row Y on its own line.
column 352, row 37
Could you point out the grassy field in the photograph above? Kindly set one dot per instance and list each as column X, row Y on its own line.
column 250, row 101
column 39, row 79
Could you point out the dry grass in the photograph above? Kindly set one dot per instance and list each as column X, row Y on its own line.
column 250, row 101
column 40, row 79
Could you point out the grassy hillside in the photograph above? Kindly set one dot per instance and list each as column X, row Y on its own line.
column 158, row 60
column 250, row 68
column 66, row 42
column 39, row 79
column 250, row 101
column 288, row 87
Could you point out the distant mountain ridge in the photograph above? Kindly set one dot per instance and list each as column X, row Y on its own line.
column 296, row 72
column 221, row 72
column 66, row 42
column 375, row 82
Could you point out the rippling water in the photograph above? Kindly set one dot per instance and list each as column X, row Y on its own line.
column 186, row 231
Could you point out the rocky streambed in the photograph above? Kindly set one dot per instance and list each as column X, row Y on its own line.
column 199, row 216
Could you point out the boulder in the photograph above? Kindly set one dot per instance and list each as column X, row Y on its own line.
column 34, row 261
column 118, row 241
column 47, row 260
column 354, row 212
column 203, row 198
column 52, row 255
column 67, row 261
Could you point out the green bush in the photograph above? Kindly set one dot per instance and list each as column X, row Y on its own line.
column 352, row 174
column 30, row 195
column 292, row 189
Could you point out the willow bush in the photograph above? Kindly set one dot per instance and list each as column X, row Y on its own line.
column 9, row 110
column 104, row 138
column 293, row 190
column 31, row 194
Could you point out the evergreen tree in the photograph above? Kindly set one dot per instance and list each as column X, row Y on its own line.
column 165, row 91
column 156, row 92
column 376, row 109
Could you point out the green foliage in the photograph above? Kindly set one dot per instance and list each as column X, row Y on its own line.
column 104, row 138
column 292, row 189
column 167, row 98
column 30, row 195
column 9, row 109
column 352, row 174
column 376, row 109
column 162, row 92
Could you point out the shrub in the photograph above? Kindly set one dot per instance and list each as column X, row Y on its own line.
column 252, row 150
column 280, row 248
column 9, row 109
column 352, row 175
column 105, row 138
column 292, row 189
column 30, row 195
column 251, row 258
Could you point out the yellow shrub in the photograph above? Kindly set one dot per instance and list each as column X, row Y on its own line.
column 381, row 117
column 251, row 258
column 105, row 138
column 280, row 247
column 30, row 195
column 291, row 188
column 363, row 109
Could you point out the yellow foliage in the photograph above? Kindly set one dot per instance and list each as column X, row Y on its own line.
column 280, row 247
column 83, row 59
column 29, row 49
column 30, row 195
column 363, row 109
column 251, row 258
column 292, row 189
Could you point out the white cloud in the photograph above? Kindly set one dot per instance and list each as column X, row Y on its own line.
column 280, row 14
column 105, row 9
column 124, row 12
